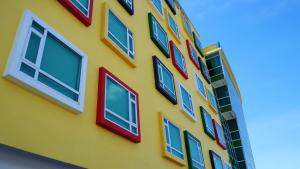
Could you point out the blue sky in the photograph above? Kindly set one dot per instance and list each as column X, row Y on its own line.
column 261, row 41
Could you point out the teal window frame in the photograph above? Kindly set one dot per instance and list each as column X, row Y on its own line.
column 194, row 162
column 162, row 44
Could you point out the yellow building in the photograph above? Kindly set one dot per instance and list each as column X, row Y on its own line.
column 105, row 84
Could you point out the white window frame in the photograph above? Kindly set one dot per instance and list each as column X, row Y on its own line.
column 161, row 13
column 87, row 9
column 176, row 32
column 129, row 35
column 17, row 56
column 210, row 93
column 196, row 77
column 130, row 122
column 193, row 116
column 155, row 29
column 166, row 123
column 162, row 68
column 200, row 154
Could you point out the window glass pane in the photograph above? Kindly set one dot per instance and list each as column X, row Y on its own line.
column 162, row 36
column 217, row 162
column 220, row 134
column 117, row 120
column 82, row 5
column 187, row 26
column 168, row 80
column 133, row 112
column 212, row 99
column 61, row 62
column 158, row 5
column 194, row 149
column 179, row 59
column 185, row 98
column 33, row 47
column 38, row 27
column 118, row 30
column 54, row 85
column 117, row 98
column 175, row 137
column 214, row 62
column 200, row 86
column 173, row 25
column 27, row 70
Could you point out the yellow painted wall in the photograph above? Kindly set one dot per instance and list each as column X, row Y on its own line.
column 35, row 124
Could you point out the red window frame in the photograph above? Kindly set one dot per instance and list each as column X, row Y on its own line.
column 172, row 46
column 100, row 120
column 190, row 48
column 86, row 20
column 217, row 134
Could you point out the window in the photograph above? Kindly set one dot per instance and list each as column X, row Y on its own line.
column 164, row 80
column 47, row 63
column 118, row 36
column 158, row 6
column 204, row 71
column 82, row 9
column 216, row 160
column 128, row 5
column 212, row 101
column 173, row 143
column 226, row 166
column 178, row 60
column 200, row 85
column 124, row 118
column 158, row 35
column 187, row 26
column 207, row 123
column 194, row 151
column 219, row 134
column 186, row 102
column 198, row 44
column 192, row 54
column 173, row 27
column 171, row 4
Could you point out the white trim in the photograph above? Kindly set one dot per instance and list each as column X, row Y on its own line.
column 191, row 102
column 196, row 83
column 129, row 122
column 13, row 73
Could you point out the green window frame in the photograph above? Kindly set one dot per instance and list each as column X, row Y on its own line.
column 120, row 34
column 216, row 160
column 174, row 145
column 48, row 63
column 198, row 44
column 158, row 35
column 194, row 151
column 207, row 123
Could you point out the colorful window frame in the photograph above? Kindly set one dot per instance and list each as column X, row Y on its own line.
column 172, row 26
column 178, row 60
column 216, row 160
column 34, row 63
column 207, row 123
column 198, row 44
column 158, row 5
column 128, row 5
column 161, row 74
column 124, row 48
column 187, row 26
column 212, row 101
column 81, row 12
column 192, row 54
column 200, row 85
column 124, row 122
column 186, row 102
column 204, row 71
column 194, row 151
column 172, row 149
column 219, row 134
column 172, row 6
column 155, row 30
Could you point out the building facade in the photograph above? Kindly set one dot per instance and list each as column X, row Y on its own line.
column 110, row 84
